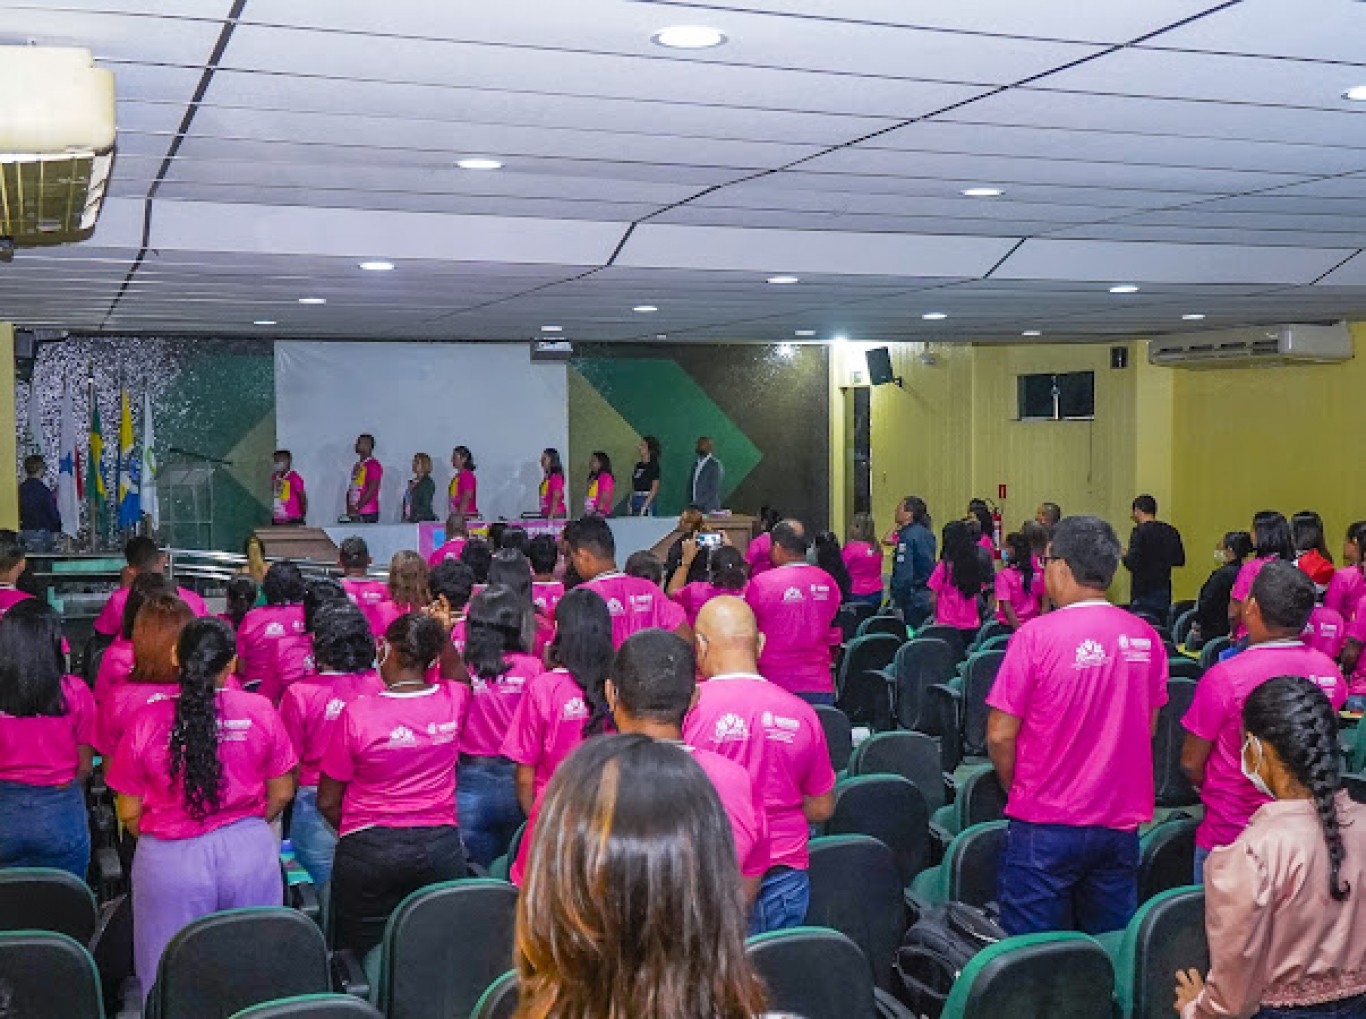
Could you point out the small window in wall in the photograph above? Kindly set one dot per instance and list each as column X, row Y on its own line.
column 1069, row 396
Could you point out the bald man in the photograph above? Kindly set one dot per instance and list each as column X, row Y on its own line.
column 776, row 737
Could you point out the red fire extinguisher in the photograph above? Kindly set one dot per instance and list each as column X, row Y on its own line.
column 996, row 527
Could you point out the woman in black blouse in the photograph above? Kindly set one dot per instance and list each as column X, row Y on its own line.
column 645, row 479
column 1211, row 608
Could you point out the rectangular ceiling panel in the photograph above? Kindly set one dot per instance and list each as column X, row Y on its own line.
column 1118, row 262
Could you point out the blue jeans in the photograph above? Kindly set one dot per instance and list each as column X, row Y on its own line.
column 487, row 808
column 874, row 599
column 637, row 501
column 313, row 839
column 1157, row 602
column 1346, row 1008
column 1201, row 855
column 44, row 826
column 815, row 696
column 914, row 605
column 1055, row 877
column 781, row 903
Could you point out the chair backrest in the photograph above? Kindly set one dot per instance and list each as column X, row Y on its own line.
column 444, row 945
column 1035, row 976
column 1209, row 654
column 893, row 626
column 981, row 799
column 998, row 643
column 1181, row 625
column 973, row 861
column 950, row 635
column 944, row 706
column 225, row 962
column 849, row 616
column 1166, row 857
column 813, row 972
column 978, row 675
column 44, row 973
column 112, row 948
column 1179, row 609
column 912, row 755
column 920, row 663
column 839, row 734
column 499, row 1001
column 313, row 1006
column 874, row 651
column 857, row 890
column 1182, row 667
column 990, row 629
column 92, row 654
column 890, row 809
column 46, row 899
column 1167, row 934
column 864, row 694
column 1170, row 784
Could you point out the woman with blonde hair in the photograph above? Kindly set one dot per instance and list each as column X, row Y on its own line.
column 409, row 590
column 417, row 500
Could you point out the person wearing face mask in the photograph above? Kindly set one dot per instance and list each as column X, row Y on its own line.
column 707, row 475
column 289, row 502
column 362, row 493
column 1285, row 904
column 1277, row 608
column 1211, row 607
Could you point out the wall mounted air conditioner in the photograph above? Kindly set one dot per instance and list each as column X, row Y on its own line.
column 1254, row 346
column 56, row 142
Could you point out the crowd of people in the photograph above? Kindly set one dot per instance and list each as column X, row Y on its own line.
column 670, row 707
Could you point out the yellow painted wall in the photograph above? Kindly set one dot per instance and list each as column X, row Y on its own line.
column 9, row 452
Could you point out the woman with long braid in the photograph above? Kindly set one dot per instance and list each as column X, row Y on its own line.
column 1285, row 904
column 198, row 777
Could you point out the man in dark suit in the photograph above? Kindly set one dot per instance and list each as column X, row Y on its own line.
column 707, row 474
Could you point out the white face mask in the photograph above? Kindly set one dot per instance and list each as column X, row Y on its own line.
column 1221, row 557
column 1252, row 775
column 281, row 466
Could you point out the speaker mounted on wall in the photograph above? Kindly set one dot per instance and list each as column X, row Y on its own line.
column 880, row 367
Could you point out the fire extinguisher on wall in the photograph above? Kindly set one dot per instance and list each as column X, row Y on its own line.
column 996, row 528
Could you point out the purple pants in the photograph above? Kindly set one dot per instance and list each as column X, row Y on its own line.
column 176, row 881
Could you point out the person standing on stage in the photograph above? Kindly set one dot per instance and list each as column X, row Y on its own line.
column 707, row 474
column 464, row 490
column 362, row 495
column 417, row 501
column 39, row 520
column 552, row 485
column 645, row 479
column 598, row 501
column 289, row 503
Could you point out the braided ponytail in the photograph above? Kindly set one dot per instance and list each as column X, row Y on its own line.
column 1295, row 717
column 205, row 649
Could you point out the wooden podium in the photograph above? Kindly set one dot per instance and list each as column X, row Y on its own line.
column 291, row 542
column 740, row 528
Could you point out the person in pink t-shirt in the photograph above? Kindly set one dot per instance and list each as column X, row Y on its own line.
column 635, row 604
column 552, row 498
column 1073, row 711
column 13, row 562
column 1275, row 612
column 795, row 605
column 1019, row 587
column 143, row 556
column 757, row 554
column 1347, row 587
column 456, row 536
column 289, row 501
column 543, row 554
column 452, row 584
column 1325, row 631
column 958, row 579
column 777, row 738
column 47, row 732
column 597, row 501
column 387, row 783
column 1272, row 539
column 265, row 627
column 499, row 632
column 409, row 589
column 152, row 675
column 117, row 661
column 725, row 573
column 464, row 487
column 198, row 777
column 370, row 595
column 362, row 491
column 1353, row 662
column 344, row 650
column 862, row 555
column 565, row 705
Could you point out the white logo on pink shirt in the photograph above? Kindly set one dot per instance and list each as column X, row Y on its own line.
column 574, row 710
column 334, row 708
column 402, row 736
column 274, row 630
column 731, row 726
column 820, row 592
column 793, row 594
column 615, row 607
column 233, row 730
column 1091, row 655
column 642, row 602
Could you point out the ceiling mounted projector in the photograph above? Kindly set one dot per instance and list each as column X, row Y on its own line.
column 56, row 143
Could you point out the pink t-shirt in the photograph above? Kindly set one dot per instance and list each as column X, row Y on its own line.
column 253, row 748
column 261, row 632
column 310, row 710
column 552, row 495
column 117, row 711
column 952, row 607
column 110, row 619
column 778, row 740
column 1010, row 589
column 757, row 555
column 546, row 594
column 364, row 472
column 1085, row 682
column 1345, row 592
column 547, row 725
column 287, row 496
column 293, row 662
column 494, row 704
column 1325, row 631
column 864, row 563
column 42, row 750
column 795, row 606
column 598, row 500
column 635, row 604
column 398, row 751
column 463, row 482
column 115, row 668
column 1242, row 586
column 450, row 550
column 1216, row 715
column 985, row 542
column 370, row 597
column 1356, row 630
column 693, row 596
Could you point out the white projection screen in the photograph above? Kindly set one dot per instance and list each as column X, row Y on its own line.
column 418, row 398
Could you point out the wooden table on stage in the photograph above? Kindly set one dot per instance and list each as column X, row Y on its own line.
column 739, row 527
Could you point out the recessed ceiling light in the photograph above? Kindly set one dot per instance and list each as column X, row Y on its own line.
column 264, row 322
column 784, row 279
column 313, row 300
column 1124, row 288
column 1032, row 332
column 1192, row 318
column 688, row 37
column 982, row 192
column 934, row 316
column 805, row 332
column 377, row 266
column 644, row 308
column 552, row 329
column 787, row 350
column 478, row 164
column 1357, row 94
column 841, row 338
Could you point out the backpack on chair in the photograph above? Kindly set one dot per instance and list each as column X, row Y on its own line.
column 936, row 949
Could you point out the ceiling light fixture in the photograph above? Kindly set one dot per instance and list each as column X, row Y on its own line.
column 478, row 163
column 264, row 322
column 1357, row 94
column 982, row 192
column 644, row 309
column 1124, row 288
column 934, row 316
column 1192, row 318
column 688, row 37
column 787, row 350
column 552, row 329
column 805, row 332
column 780, row 280
column 313, row 300
column 1032, row 332
column 377, row 266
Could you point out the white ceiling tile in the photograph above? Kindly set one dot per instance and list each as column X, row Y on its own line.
column 156, row 83
column 1119, row 262
column 1124, row 231
column 1322, row 30
column 1351, row 273
column 882, row 223
column 144, row 38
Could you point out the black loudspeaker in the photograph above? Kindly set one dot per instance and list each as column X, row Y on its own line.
column 880, row 366
column 1119, row 357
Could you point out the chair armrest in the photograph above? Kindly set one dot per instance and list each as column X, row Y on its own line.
column 304, row 898
column 478, row 869
column 889, row 673
column 941, row 836
column 888, row 1007
column 109, row 872
column 916, row 905
column 348, row 975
